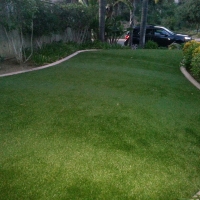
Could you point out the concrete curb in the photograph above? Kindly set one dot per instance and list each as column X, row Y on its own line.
column 49, row 65
column 190, row 78
column 197, row 195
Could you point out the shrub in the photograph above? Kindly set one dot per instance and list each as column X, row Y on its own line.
column 57, row 50
column 188, row 51
column 196, row 51
column 151, row 45
column 174, row 46
column 188, row 45
column 195, row 65
column 52, row 52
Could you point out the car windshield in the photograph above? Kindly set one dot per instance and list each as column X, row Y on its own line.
column 170, row 32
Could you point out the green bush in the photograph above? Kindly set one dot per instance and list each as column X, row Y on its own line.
column 174, row 46
column 195, row 66
column 52, row 52
column 188, row 51
column 151, row 45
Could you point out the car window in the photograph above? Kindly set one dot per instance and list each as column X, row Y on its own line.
column 160, row 31
column 149, row 31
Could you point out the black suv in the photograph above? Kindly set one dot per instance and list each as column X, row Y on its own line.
column 161, row 35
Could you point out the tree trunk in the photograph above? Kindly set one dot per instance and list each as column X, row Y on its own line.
column 102, row 12
column 132, row 18
column 143, row 22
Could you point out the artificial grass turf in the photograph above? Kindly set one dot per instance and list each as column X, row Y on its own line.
column 114, row 124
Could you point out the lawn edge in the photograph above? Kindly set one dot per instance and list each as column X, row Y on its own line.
column 189, row 77
column 48, row 65
column 196, row 195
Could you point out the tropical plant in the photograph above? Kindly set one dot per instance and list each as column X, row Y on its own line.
column 113, row 30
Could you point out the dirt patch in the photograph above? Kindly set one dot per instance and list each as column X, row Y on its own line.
column 11, row 65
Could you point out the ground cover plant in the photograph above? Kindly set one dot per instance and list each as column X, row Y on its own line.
column 57, row 50
column 109, row 124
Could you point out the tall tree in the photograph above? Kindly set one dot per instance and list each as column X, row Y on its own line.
column 102, row 13
column 189, row 12
column 132, row 18
column 143, row 22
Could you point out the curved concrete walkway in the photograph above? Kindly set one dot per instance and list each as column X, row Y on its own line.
column 190, row 78
column 49, row 65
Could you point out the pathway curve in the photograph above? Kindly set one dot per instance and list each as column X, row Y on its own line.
column 190, row 78
column 46, row 66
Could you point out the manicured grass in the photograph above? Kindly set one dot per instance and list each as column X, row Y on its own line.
column 112, row 124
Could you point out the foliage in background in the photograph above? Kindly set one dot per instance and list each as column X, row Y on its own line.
column 18, row 16
column 113, row 30
column 188, row 11
column 48, row 20
column 80, row 19
column 163, row 13
column 57, row 50
column 151, row 45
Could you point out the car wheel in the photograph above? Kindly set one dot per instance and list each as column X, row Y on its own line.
column 134, row 46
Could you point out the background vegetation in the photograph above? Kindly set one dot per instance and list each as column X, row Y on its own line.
column 41, row 18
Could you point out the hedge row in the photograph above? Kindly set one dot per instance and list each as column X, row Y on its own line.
column 191, row 61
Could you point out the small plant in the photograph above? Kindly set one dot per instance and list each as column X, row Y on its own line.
column 151, row 45
column 113, row 30
column 52, row 52
column 174, row 46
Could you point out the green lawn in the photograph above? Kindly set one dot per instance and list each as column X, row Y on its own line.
column 106, row 125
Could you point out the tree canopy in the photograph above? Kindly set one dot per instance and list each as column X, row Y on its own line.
column 189, row 12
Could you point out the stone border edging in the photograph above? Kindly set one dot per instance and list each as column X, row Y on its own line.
column 190, row 78
column 197, row 195
column 49, row 65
